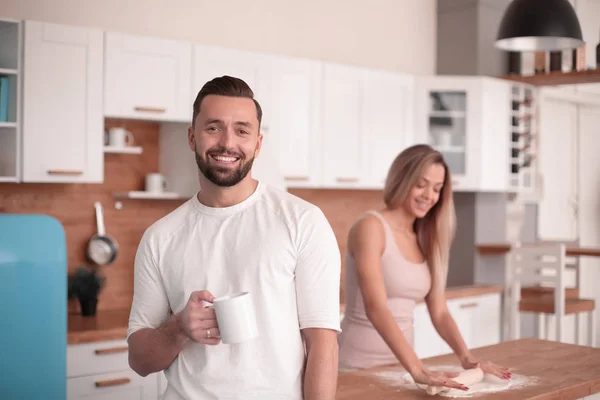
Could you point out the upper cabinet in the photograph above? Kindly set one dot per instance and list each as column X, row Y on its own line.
column 62, row 104
column 468, row 119
column 147, row 78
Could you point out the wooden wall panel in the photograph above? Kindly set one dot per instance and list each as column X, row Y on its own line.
column 73, row 206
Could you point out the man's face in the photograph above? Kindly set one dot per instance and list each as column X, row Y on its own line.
column 225, row 138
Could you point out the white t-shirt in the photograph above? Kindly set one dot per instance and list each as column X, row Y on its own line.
column 274, row 245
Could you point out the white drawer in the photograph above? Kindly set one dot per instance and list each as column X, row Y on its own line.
column 114, row 386
column 97, row 358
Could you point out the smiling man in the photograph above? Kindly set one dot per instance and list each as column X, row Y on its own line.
column 237, row 234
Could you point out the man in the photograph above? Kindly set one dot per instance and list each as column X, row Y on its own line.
column 236, row 235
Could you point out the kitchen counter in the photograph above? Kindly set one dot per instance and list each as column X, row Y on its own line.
column 503, row 248
column 563, row 371
column 112, row 325
column 105, row 325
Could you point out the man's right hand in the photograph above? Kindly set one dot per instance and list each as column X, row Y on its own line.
column 198, row 321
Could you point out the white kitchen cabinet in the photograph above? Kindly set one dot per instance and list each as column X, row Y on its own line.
column 367, row 120
column 557, row 208
column 62, row 104
column 147, row 78
column 477, row 318
column 100, row 371
column 387, row 122
column 342, row 102
column 468, row 120
column 292, row 116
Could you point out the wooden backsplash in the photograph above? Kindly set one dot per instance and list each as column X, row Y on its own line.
column 73, row 206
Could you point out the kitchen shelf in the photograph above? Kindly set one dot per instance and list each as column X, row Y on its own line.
column 10, row 179
column 558, row 78
column 8, row 124
column 123, row 150
column 143, row 195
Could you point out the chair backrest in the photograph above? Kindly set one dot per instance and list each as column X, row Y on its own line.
column 537, row 263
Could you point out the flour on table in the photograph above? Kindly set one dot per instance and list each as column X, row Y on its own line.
column 490, row 383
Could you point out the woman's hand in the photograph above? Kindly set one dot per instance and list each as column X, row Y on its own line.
column 487, row 367
column 437, row 378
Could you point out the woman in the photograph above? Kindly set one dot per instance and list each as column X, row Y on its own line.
column 396, row 257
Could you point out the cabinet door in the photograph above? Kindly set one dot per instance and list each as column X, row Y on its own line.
column 62, row 104
column 428, row 342
column 447, row 114
column 211, row 62
column 147, row 78
column 387, row 123
column 557, row 165
column 293, row 120
column 114, row 386
column 342, row 162
column 486, row 311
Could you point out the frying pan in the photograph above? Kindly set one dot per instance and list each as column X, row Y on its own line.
column 102, row 249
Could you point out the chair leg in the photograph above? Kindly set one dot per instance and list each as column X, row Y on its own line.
column 577, row 328
column 592, row 329
column 541, row 328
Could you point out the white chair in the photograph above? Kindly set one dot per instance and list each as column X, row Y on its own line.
column 544, row 265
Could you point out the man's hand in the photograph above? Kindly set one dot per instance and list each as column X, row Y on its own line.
column 199, row 322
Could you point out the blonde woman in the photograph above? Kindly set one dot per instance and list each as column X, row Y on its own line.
column 395, row 257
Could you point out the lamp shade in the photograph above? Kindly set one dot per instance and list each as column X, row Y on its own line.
column 539, row 25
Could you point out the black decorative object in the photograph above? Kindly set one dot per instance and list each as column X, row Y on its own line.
column 85, row 285
column 539, row 25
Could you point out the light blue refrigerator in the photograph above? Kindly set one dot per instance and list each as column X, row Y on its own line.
column 33, row 304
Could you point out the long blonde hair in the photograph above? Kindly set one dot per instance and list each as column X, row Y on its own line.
column 435, row 231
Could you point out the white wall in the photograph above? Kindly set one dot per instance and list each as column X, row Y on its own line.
column 398, row 35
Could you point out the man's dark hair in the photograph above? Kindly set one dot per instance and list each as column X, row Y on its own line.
column 225, row 86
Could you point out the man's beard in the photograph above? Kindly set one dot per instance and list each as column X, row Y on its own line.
column 225, row 177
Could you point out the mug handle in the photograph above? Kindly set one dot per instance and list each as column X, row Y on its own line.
column 129, row 140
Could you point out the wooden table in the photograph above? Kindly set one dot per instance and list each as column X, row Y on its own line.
column 564, row 371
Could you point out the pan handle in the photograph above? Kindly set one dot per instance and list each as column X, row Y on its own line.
column 99, row 218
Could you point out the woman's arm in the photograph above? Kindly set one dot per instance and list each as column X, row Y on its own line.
column 446, row 326
column 366, row 243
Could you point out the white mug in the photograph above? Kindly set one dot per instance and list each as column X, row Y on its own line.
column 155, row 183
column 119, row 137
column 236, row 317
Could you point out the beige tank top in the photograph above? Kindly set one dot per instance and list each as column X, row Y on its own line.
column 405, row 282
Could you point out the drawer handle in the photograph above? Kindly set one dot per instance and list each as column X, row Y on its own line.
column 469, row 305
column 112, row 350
column 113, row 382
column 151, row 109
column 347, row 180
column 64, row 172
column 296, row 178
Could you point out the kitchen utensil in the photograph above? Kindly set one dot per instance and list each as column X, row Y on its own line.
column 102, row 248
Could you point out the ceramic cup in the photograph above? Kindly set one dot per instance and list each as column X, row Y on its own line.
column 236, row 317
column 119, row 137
column 155, row 183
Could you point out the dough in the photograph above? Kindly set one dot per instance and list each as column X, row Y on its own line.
column 468, row 377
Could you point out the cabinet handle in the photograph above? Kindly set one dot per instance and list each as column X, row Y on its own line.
column 151, row 109
column 469, row 305
column 112, row 350
column 113, row 382
column 64, row 172
column 346, row 180
column 296, row 178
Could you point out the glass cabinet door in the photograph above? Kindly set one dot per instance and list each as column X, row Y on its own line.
column 447, row 127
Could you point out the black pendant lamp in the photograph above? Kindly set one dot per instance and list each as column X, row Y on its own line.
column 539, row 25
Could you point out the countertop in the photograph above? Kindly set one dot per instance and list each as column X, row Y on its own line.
column 112, row 325
column 563, row 371
column 502, row 248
